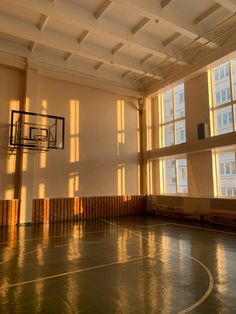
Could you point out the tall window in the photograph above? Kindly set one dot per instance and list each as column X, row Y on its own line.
column 224, row 96
column 175, row 179
column 226, row 174
column 172, row 126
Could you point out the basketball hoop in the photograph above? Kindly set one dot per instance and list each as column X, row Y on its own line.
column 41, row 142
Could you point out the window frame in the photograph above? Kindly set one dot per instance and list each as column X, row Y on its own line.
column 174, row 120
column 230, row 104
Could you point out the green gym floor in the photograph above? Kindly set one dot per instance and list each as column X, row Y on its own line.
column 127, row 265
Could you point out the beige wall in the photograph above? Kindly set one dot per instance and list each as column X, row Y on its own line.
column 11, row 92
column 92, row 166
column 97, row 159
column 97, row 165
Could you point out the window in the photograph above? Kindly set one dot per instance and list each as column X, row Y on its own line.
column 224, row 96
column 175, row 180
column 226, row 174
column 172, row 124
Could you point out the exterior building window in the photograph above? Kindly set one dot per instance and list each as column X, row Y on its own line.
column 175, row 179
column 224, row 96
column 172, row 124
column 226, row 174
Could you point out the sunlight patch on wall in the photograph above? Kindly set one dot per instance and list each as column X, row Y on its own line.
column 121, row 179
column 210, row 102
column 9, row 194
column 138, row 132
column 73, row 184
column 41, row 191
column 214, row 174
column 159, row 121
column 26, row 119
column 11, row 160
column 149, row 123
column 43, row 155
column 161, row 176
column 74, row 131
column 149, row 178
column 120, row 124
column 139, row 179
column 23, row 205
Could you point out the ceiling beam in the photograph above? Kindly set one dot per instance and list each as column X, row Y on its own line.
column 32, row 46
column 152, row 9
column 164, row 3
column 67, row 69
column 102, row 9
column 206, row 13
column 70, row 13
column 140, row 25
column 147, row 57
column 98, row 66
column 116, row 48
column 228, row 4
column 43, row 22
column 125, row 73
column 83, row 36
column 171, row 38
column 68, row 56
column 52, row 39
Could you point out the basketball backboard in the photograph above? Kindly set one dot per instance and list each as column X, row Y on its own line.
column 36, row 131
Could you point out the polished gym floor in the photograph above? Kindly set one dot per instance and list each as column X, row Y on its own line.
column 127, row 265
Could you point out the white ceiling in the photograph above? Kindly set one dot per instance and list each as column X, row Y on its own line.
column 136, row 44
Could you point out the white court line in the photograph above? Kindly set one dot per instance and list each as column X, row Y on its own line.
column 146, row 226
column 211, row 281
column 77, row 271
column 206, row 229
column 58, row 236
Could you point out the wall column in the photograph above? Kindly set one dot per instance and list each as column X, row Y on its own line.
column 28, row 157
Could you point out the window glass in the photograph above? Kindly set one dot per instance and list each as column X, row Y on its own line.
column 175, row 176
column 172, row 124
column 170, row 176
column 182, row 183
column 168, row 134
column 223, row 120
column 167, row 105
column 180, row 133
column 226, row 175
column 221, row 84
column 179, row 101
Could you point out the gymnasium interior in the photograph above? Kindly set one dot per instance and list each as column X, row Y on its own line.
column 117, row 156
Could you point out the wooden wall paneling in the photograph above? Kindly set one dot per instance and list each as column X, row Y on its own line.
column 4, row 213
column 1, row 213
column 51, row 210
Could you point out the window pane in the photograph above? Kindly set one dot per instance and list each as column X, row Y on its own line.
column 179, row 101
column 168, row 135
column 182, row 179
column 222, row 84
column 233, row 64
column 223, row 120
column 169, row 176
column 180, row 132
column 167, row 105
column 226, row 174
